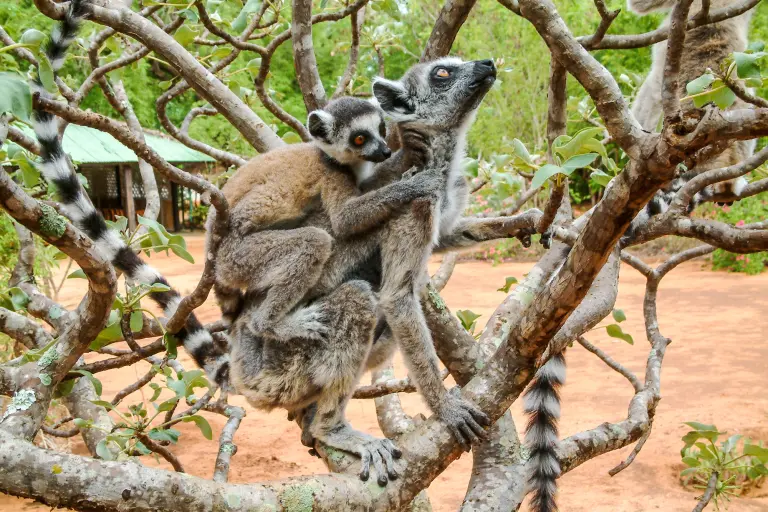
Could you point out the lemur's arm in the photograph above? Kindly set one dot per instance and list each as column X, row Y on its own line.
column 356, row 215
column 470, row 231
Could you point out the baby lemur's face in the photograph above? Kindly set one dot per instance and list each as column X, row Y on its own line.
column 443, row 94
column 350, row 130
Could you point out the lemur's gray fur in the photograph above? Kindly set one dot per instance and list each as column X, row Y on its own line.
column 433, row 113
column 705, row 47
column 58, row 169
column 266, row 250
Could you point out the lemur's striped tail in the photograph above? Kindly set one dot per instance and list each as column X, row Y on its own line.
column 58, row 169
column 542, row 404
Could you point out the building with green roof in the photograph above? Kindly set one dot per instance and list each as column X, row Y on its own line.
column 115, row 185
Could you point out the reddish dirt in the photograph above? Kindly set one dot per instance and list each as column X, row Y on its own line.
column 714, row 372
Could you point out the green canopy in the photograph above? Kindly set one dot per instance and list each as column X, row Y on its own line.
column 89, row 146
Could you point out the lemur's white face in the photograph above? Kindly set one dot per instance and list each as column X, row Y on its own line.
column 441, row 94
column 351, row 131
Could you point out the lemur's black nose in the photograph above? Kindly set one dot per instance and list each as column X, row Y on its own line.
column 386, row 152
column 486, row 63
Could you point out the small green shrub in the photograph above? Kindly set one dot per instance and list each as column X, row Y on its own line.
column 746, row 211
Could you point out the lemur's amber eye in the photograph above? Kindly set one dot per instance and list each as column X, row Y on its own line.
column 359, row 140
column 442, row 73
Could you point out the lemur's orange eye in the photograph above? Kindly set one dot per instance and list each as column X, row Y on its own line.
column 359, row 140
column 442, row 73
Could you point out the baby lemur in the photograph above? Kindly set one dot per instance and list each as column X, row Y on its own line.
column 433, row 106
column 266, row 251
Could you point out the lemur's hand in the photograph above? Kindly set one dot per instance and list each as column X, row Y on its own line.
column 427, row 184
column 463, row 419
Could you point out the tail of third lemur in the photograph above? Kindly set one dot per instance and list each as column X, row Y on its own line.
column 58, row 169
column 542, row 404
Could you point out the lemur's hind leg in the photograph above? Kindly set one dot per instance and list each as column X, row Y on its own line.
column 350, row 313
column 404, row 273
column 281, row 264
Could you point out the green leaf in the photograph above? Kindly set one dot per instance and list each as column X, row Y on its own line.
column 544, row 173
column 103, row 403
column 94, row 381
column 467, row 318
column 190, row 15
column 19, row 298
column 169, row 434
column 64, row 388
column 291, row 138
column 614, row 331
column 500, row 160
column 756, row 46
column 691, row 461
column 522, row 152
column 701, row 427
column 689, row 471
column 30, row 175
column 507, row 284
column 185, row 35
column 202, row 424
column 757, row 451
column 159, row 287
column 170, row 342
column 579, row 161
column 471, row 167
column 137, row 321
column 574, row 146
column 16, row 98
column 45, row 72
column 700, row 84
column 746, row 64
column 241, row 21
column 220, row 52
column 32, row 37
column 111, row 333
column 724, row 98
column 157, row 390
column 77, row 274
column 81, row 423
column 600, row 178
column 168, row 404
column 253, row 66
column 618, row 315
column 730, row 443
column 102, row 451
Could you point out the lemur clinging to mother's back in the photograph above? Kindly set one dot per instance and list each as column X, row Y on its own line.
column 57, row 169
column 705, row 47
column 266, row 250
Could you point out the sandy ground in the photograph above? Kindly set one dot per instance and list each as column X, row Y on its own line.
column 714, row 372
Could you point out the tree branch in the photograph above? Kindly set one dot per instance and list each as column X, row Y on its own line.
column 304, row 61
column 357, row 19
column 452, row 16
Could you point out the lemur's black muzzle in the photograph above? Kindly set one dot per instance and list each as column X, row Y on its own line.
column 381, row 153
column 484, row 72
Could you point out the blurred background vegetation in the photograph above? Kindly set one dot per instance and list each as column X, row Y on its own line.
column 394, row 34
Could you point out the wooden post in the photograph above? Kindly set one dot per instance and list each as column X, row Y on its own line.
column 126, row 174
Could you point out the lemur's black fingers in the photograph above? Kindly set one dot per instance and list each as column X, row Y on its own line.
column 314, row 453
column 546, row 239
column 378, row 466
column 365, row 465
column 389, row 462
column 468, row 433
column 525, row 239
column 396, row 453
column 465, row 446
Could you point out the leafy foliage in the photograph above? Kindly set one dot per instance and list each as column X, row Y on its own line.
column 738, row 462
column 746, row 211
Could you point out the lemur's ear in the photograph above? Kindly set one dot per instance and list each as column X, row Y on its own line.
column 392, row 96
column 320, row 124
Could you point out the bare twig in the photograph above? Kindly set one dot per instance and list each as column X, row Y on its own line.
column 304, row 61
column 444, row 272
column 452, row 16
column 226, row 447
column 160, row 450
column 670, row 92
column 389, row 386
column 606, row 19
column 635, row 451
column 357, row 19
column 613, row 364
